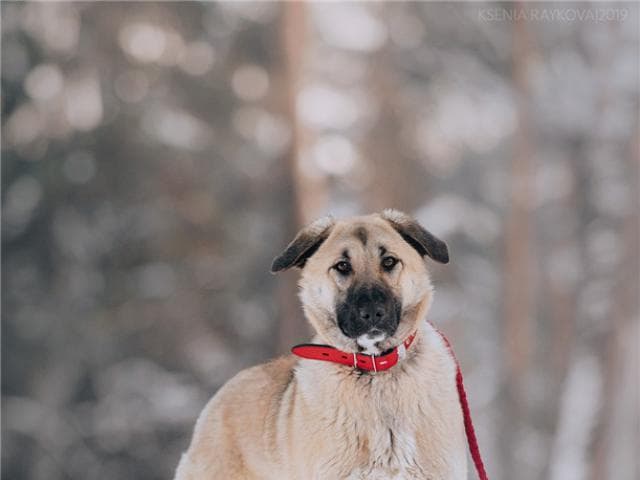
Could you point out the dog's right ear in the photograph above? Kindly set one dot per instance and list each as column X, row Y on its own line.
column 417, row 236
column 306, row 243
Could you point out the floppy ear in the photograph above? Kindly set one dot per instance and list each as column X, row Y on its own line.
column 416, row 236
column 307, row 241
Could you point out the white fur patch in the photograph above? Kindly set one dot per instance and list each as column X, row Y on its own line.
column 368, row 342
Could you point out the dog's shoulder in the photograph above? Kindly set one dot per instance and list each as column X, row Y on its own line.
column 235, row 411
column 254, row 384
column 265, row 378
column 438, row 348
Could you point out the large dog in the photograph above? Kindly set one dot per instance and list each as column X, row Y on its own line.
column 365, row 288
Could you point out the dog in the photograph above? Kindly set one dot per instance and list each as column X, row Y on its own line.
column 365, row 289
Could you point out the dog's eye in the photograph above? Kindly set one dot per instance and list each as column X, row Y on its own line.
column 388, row 263
column 343, row 267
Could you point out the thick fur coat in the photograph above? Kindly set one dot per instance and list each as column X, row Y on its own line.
column 307, row 419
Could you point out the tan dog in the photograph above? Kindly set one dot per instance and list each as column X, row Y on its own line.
column 365, row 288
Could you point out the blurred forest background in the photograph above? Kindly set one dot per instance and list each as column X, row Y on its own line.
column 157, row 156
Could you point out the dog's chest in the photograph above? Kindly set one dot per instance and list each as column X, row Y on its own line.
column 402, row 425
column 389, row 453
column 381, row 445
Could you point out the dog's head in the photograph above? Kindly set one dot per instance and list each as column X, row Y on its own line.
column 365, row 284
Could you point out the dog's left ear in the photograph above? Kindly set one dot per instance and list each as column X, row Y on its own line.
column 306, row 243
column 415, row 235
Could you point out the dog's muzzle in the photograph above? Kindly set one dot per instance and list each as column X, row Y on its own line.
column 369, row 310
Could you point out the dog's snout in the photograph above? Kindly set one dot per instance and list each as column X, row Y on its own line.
column 374, row 332
column 368, row 308
column 371, row 313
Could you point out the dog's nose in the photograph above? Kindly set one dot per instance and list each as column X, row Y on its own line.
column 371, row 313
column 368, row 308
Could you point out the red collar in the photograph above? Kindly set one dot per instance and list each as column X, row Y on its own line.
column 361, row 361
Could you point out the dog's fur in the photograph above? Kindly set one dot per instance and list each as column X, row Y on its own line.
column 309, row 419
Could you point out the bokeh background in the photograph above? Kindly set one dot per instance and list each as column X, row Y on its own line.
column 157, row 156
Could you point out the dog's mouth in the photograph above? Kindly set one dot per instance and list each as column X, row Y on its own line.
column 371, row 343
column 378, row 341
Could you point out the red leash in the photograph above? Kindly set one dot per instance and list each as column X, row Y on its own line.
column 474, row 448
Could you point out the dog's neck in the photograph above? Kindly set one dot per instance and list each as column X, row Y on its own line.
column 359, row 361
